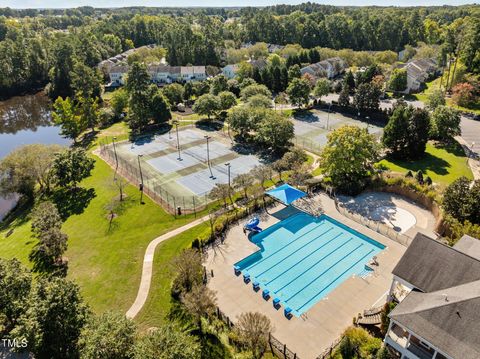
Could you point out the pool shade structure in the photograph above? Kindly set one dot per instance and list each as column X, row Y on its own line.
column 286, row 194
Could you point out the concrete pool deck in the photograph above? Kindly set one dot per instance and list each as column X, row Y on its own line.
column 310, row 335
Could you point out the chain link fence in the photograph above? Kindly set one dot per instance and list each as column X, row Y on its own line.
column 150, row 184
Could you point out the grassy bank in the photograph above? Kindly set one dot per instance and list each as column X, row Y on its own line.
column 442, row 164
column 104, row 260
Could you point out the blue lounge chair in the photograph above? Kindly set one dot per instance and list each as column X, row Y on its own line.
column 266, row 294
column 237, row 270
column 288, row 312
column 276, row 302
column 246, row 277
column 256, row 285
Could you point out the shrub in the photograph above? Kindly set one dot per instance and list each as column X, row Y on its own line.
column 419, row 176
column 409, row 174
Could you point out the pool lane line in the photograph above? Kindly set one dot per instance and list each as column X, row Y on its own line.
column 325, row 287
column 315, row 264
column 292, row 242
column 285, row 271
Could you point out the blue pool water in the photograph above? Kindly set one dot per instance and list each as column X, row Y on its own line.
column 303, row 258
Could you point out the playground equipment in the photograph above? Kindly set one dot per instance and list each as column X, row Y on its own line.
column 252, row 225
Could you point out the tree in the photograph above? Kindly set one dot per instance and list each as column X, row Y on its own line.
column 218, row 84
column 54, row 319
column 199, row 302
column 294, row 158
column 253, row 90
column 86, row 81
column 51, row 242
column 262, row 173
column 61, row 70
column 253, row 329
column 189, row 271
column 65, row 114
column 137, row 86
column 88, row 112
column 239, row 120
column 71, row 166
column 349, row 80
column 275, row 131
column 108, row 336
column 243, row 182
column 159, row 107
column 348, row 158
column 221, row 191
column 322, row 88
column 398, row 80
column 166, row 342
column 299, row 91
column 445, row 123
column 462, row 201
column 119, row 102
column 260, row 101
column 407, row 132
column 207, row 105
column 367, row 97
column 344, row 97
column 27, row 168
column 435, row 99
column 357, row 343
column 15, row 281
column 294, row 72
column 463, row 94
column 174, row 93
column 227, row 100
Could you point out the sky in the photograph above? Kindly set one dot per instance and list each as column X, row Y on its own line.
column 23, row 4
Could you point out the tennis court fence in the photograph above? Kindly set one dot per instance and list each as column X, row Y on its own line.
column 152, row 187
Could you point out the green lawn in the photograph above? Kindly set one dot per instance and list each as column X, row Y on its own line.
column 158, row 303
column 106, row 263
column 443, row 165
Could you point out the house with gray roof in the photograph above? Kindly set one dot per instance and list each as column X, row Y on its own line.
column 328, row 68
column 418, row 72
column 439, row 317
column 160, row 74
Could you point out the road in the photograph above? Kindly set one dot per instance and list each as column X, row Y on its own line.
column 470, row 128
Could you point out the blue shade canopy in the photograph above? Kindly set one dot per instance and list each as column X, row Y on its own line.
column 286, row 193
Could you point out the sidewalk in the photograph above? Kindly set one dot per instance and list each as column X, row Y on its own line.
column 146, row 280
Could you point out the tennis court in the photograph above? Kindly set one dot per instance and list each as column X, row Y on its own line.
column 182, row 177
column 311, row 128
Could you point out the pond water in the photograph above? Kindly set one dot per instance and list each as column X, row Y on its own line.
column 25, row 120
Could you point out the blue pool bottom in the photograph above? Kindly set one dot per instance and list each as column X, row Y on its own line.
column 303, row 258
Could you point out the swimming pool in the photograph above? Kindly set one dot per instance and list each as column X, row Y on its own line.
column 303, row 258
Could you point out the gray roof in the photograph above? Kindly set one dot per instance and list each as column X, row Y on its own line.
column 430, row 265
column 449, row 318
column 468, row 245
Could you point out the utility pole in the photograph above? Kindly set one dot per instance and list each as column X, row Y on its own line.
column 328, row 116
column 178, row 141
column 141, row 179
column 228, row 167
column 208, row 157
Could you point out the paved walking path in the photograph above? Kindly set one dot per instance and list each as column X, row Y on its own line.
column 147, row 269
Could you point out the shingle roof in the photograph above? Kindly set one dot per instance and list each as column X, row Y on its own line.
column 448, row 318
column 469, row 245
column 430, row 265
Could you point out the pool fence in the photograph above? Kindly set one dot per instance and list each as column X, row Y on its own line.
column 278, row 348
column 377, row 226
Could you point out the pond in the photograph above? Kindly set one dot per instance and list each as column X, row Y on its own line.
column 25, row 120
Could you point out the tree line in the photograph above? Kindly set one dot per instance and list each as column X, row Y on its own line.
column 38, row 50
